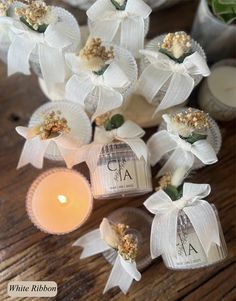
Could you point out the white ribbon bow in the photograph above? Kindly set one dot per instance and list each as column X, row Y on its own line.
column 48, row 46
column 104, row 87
column 108, row 20
column 163, row 70
column 184, row 152
column 34, row 148
column 200, row 213
column 104, row 239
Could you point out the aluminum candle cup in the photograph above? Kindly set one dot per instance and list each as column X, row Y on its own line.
column 217, row 95
column 59, row 201
column 189, row 251
column 119, row 173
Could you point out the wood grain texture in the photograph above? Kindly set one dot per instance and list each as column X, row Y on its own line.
column 27, row 254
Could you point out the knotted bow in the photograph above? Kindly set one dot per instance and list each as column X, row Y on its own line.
column 184, row 152
column 34, row 148
column 200, row 213
column 101, row 240
column 108, row 21
column 105, row 87
column 47, row 47
column 163, row 70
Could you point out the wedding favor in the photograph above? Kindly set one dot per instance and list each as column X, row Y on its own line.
column 5, row 24
column 186, row 228
column 56, row 131
column 217, row 94
column 189, row 138
column 103, row 76
column 172, row 65
column 40, row 35
column 117, row 159
column 59, row 201
column 124, row 22
column 123, row 238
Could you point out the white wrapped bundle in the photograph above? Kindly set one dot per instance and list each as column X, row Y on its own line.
column 41, row 42
column 172, row 65
column 124, row 23
column 103, row 77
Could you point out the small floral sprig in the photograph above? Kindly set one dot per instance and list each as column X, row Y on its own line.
column 110, row 122
column 172, row 183
column 4, row 5
column 176, row 46
column 52, row 126
column 119, row 4
column 36, row 15
column 224, row 10
column 96, row 56
column 191, row 125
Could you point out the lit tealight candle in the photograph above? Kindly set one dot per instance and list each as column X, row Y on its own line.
column 59, row 201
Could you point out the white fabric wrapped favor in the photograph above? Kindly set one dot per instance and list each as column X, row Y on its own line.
column 126, row 27
column 65, row 145
column 99, row 94
column 43, row 51
column 103, row 239
column 200, row 213
column 166, row 83
column 168, row 145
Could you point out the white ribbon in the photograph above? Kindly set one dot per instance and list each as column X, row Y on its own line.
column 184, row 152
column 47, row 46
column 96, row 242
column 34, row 148
column 105, row 87
column 108, row 21
column 163, row 70
column 200, row 213
column 5, row 24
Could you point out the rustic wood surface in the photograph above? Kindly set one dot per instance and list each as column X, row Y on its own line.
column 28, row 254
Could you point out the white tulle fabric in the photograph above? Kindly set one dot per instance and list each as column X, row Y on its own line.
column 125, row 27
column 183, row 152
column 99, row 94
column 200, row 213
column 63, row 147
column 5, row 24
column 47, row 49
column 123, row 271
column 162, row 70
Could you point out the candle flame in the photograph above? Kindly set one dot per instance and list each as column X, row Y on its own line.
column 62, row 199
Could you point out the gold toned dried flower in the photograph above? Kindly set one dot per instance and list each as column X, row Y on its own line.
column 52, row 126
column 4, row 5
column 95, row 55
column 178, row 43
column 34, row 13
column 164, row 181
column 102, row 119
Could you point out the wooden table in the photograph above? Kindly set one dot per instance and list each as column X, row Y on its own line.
column 28, row 254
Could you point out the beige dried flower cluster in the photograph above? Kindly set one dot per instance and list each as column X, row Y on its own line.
column 164, row 182
column 177, row 43
column 52, row 126
column 102, row 119
column 95, row 55
column 34, row 13
column 128, row 246
column 4, row 5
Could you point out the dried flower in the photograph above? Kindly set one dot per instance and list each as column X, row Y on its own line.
column 102, row 119
column 164, row 182
column 52, row 126
column 95, row 55
column 4, row 5
column 35, row 13
column 178, row 44
column 188, row 122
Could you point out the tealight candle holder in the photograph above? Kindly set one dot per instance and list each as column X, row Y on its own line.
column 217, row 94
column 59, row 201
column 119, row 173
column 190, row 254
column 140, row 227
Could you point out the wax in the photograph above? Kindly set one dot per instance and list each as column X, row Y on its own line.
column 59, row 201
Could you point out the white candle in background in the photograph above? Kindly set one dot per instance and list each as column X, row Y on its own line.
column 222, row 83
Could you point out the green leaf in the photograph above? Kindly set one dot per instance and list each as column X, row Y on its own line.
column 170, row 55
column 115, row 122
column 101, row 71
column 224, row 10
column 41, row 28
column 173, row 192
column 194, row 137
column 118, row 6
